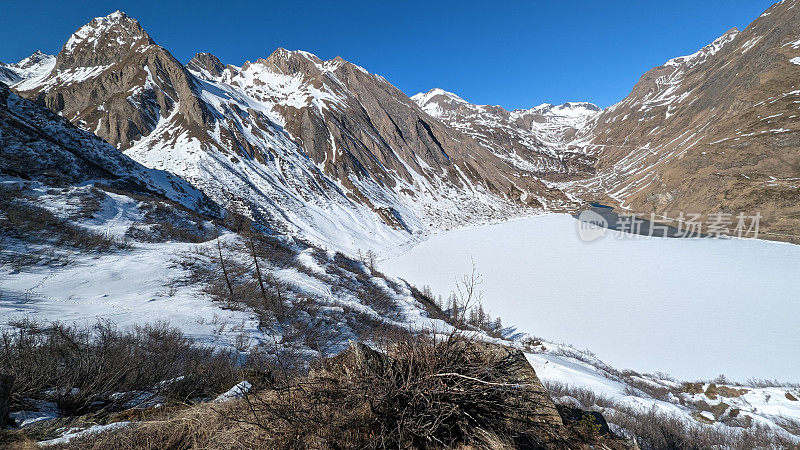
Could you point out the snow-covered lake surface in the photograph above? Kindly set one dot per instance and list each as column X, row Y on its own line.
column 692, row 308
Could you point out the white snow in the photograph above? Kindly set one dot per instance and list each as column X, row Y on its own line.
column 128, row 287
column 50, row 79
column 691, row 308
column 44, row 411
column 703, row 54
column 72, row 433
column 750, row 44
column 795, row 61
column 36, row 66
column 101, row 26
column 238, row 391
column 146, row 284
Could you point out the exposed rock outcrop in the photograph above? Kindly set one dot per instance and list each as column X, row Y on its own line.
column 111, row 78
column 524, row 413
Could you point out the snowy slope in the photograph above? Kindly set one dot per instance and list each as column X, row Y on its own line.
column 148, row 282
column 555, row 125
column 735, row 407
column 38, row 144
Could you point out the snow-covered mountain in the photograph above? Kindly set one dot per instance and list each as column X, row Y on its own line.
column 713, row 131
column 531, row 140
column 556, row 125
column 329, row 152
column 34, row 66
column 318, row 148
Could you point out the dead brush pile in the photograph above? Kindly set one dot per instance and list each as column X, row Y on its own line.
column 423, row 392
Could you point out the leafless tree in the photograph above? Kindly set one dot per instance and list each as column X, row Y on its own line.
column 467, row 295
column 224, row 269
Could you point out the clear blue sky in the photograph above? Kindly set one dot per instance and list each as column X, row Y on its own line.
column 512, row 53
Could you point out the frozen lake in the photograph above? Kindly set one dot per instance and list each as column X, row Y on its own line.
column 691, row 308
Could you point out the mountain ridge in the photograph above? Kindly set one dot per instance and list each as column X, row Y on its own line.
column 409, row 165
column 532, row 140
column 715, row 131
column 282, row 135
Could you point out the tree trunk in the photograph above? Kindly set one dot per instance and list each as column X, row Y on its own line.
column 224, row 271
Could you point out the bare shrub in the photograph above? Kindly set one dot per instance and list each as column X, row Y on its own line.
column 101, row 367
column 88, row 202
column 656, row 430
column 378, row 299
column 466, row 296
column 586, row 397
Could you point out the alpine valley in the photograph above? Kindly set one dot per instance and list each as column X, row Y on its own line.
column 257, row 205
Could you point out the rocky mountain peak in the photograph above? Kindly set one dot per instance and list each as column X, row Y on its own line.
column 582, row 105
column 564, row 109
column 291, row 62
column 440, row 103
column 103, row 41
column 299, row 62
column 112, row 78
column 38, row 57
column 206, row 65
column 36, row 65
column 436, row 95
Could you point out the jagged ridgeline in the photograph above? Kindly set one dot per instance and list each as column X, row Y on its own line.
column 319, row 148
column 244, row 204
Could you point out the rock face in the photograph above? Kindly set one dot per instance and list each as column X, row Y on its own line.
column 531, row 140
column 522, row 372
column 357, row 360
column 715, row 131
column 356, row 124
column 112, row 79
column 206, row 64
column 537, row 406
